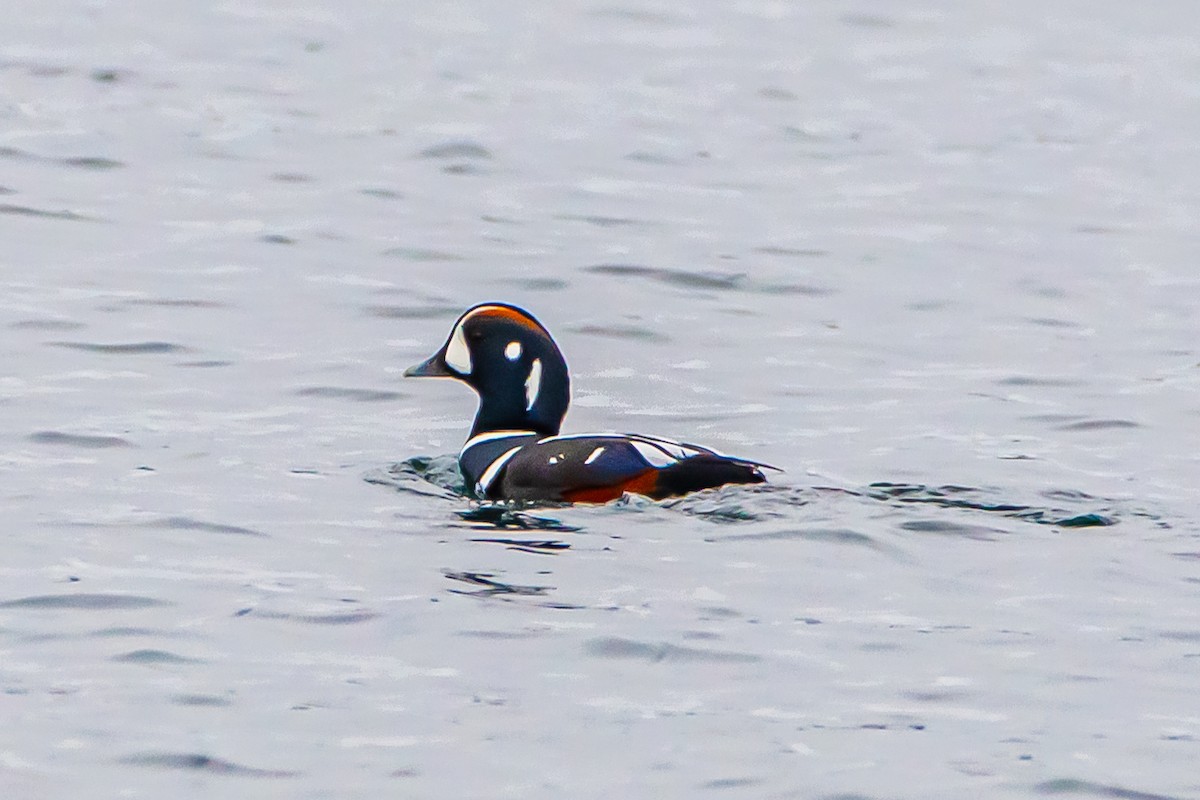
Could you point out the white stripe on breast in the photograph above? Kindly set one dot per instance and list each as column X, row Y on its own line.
column 493, row 469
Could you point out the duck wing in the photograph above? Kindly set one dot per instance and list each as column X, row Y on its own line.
column 598, row 467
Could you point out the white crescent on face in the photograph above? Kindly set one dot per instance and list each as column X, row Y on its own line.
column 533, row 384
column 458, row 355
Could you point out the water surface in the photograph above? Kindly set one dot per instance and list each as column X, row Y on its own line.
column 937, row 262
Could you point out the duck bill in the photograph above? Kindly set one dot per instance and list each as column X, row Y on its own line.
column 432, row 367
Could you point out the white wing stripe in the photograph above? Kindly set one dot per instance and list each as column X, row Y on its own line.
column 662, row 448
column 564, row 436
column 491, row 436
column 655, row 456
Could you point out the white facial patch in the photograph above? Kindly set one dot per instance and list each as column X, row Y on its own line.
column 533, row 384
column 595, row 454
column 513, row 351
column 458, row 355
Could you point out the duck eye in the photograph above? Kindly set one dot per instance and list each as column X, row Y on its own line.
column 513, row 351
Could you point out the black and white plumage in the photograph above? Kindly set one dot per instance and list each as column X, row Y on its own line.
column 515, row 451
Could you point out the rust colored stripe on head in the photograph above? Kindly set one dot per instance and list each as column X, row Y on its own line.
column 504, row 312
column 643, row 483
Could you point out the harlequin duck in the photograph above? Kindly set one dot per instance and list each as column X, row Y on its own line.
column 515, row 451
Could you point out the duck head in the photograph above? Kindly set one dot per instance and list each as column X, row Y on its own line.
column 511, row 362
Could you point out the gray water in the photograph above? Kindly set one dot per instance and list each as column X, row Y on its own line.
column 936, row 260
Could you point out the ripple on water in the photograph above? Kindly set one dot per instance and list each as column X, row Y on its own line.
column 413, row 312
column 202, row 763
column 620, row 332
column 601, row 221
column 740, row 504
column 152, row 657
column 91, row 162
column 459, row 157
column 206, row 364
column 201, row 700
column 971, row 499
column 616, row 647
column 706, row 280
column 1092, row 789
column 76, row 162
column 352, row 617
column 830, row 535
column 457, row 150
column 798, row 252
column 86, row 441
column 175, row 302
column 189, row 524
column 107, row 75
column 348, row 393
column 535, row 284
column 1034, row 380
column 675, row 277
column 420, row 254
column 949, row 528
column 125, row 631
column 47, row 325
column 658, row 159
column 90, row 601
column 1099, row 425
column 125, row 348
column 730, row 783
column 386, row 194
column 29, row 211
